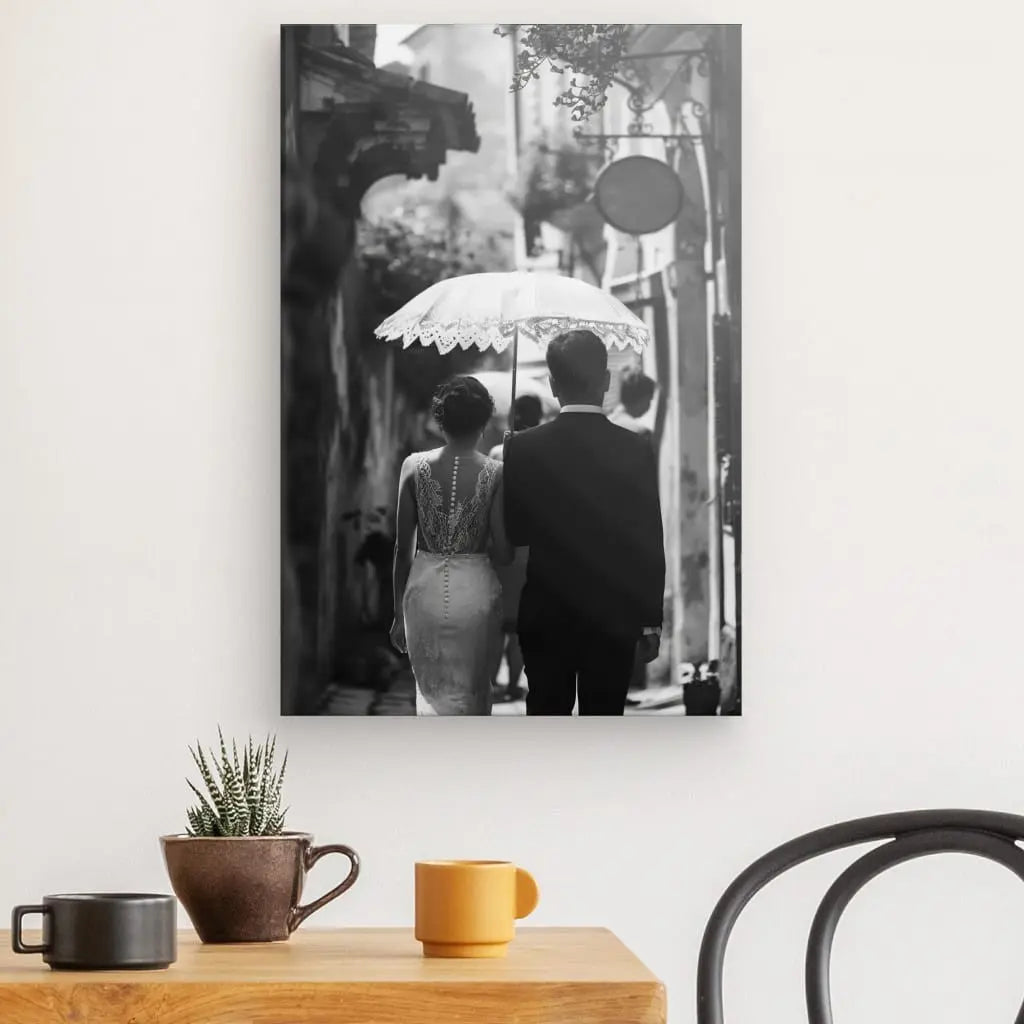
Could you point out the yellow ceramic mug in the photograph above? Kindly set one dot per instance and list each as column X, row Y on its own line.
column 468, row 908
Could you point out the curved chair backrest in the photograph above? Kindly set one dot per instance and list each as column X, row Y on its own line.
column 912, row 834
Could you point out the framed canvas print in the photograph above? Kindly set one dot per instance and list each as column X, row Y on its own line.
column 510, row 370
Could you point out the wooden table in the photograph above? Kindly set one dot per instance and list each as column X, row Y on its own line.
column 353, row 976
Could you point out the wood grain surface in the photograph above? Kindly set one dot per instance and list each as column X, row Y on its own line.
column 351, row 976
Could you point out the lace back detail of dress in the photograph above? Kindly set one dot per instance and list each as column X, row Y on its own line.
column 451, row 527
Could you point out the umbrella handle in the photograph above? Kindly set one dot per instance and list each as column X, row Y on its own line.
column 515, row 366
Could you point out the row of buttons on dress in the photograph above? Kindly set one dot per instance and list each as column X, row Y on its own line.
column 447, row 554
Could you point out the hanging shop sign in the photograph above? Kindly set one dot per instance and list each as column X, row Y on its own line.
column 638, row 195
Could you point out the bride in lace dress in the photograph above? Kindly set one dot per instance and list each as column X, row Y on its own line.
column 450, row 526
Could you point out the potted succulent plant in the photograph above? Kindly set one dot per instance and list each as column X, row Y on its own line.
column 237, row 872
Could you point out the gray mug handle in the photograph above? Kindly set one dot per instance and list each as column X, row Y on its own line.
column 17, row 916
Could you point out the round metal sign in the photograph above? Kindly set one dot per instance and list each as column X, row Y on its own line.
column 638, row 195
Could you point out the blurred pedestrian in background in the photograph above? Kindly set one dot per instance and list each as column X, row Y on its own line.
column 636, row 393
column 526, row 413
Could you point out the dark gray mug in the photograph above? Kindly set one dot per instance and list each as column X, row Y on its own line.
column 102, row 931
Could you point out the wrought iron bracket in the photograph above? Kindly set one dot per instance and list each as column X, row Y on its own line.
column 697, row 59
column 608, row 142
column 670, row 136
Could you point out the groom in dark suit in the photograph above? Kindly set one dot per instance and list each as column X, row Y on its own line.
column 582, row 493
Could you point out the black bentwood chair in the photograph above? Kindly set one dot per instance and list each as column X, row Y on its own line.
column 912, row 834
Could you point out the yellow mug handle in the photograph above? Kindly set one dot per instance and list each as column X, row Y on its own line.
column 527, row 894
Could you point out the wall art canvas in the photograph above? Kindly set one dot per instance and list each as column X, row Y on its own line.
column 510, row 370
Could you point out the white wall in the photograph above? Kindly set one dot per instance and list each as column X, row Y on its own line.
column 884, row 498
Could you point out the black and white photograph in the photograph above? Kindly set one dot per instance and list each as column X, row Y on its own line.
column 511, row 369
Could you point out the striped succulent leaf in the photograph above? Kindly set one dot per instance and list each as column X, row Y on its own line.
column 278, row 788
column 225, row 803
column 236, row 796
column 284, row 768
column 204, row 769
column 252, row 766
column 276, row 825
column 204, row 804
column 268, row 768
column 211, row 823
column 216, row 791
column 265, row 791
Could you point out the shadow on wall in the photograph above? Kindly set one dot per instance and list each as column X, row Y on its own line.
column 353, row 408
column 326, row 396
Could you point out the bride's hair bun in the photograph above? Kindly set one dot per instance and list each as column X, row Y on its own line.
column 462, row 406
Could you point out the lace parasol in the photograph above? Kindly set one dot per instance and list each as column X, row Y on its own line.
column 484, row 311
column 492, row 311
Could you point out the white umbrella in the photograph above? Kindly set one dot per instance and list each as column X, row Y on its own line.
column 491, row 311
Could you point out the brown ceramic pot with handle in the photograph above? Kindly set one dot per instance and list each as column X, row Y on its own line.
column 247, row 888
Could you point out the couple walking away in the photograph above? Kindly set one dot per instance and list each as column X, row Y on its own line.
column 582, row 495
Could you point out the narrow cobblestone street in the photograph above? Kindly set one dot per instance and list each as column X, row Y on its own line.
column 399, row 698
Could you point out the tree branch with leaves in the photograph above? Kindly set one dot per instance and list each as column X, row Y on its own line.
column 592, row 54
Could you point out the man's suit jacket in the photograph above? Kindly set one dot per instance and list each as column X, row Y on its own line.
column 583, row 494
